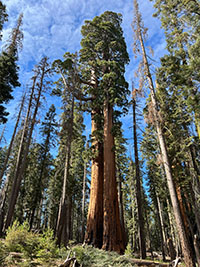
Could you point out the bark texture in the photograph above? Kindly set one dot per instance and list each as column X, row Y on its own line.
column 94, row 230
column 112, row 231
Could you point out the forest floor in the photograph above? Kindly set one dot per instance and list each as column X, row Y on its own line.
column 78, row 255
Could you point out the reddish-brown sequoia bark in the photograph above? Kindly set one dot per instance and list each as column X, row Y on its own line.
column 94, row 230
column 112, row 231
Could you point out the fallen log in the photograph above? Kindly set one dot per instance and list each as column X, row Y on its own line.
column 149, row 263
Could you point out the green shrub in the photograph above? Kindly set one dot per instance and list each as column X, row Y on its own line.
column 40, row 246
column 20, row 239
column 47, row 246
column 89, row 256
column 82, row 255
column 3, row 252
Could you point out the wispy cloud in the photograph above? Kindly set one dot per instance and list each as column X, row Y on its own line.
column 52, row 28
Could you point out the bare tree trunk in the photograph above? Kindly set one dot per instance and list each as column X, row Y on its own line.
column 23, row 152
column 161, row 220
column 2, row 203
column 94, row 231
column 14, row 189
column 1, row 137
column 70, row 218
column 112, row 231
column 149, row 235
column 121, row 208
column 173, row 237
column 142, row 242
column 186, row 248
column 161, row 227
column 12, row 139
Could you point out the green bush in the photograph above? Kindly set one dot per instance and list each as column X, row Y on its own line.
column 20, row 239
column 47, row 246
column 89, row 256
column 3, row 252
column 32, row 245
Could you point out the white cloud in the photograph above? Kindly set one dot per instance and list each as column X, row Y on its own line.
column 52, row 27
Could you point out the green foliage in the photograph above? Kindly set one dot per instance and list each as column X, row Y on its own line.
column 32, row 245
column 8, row 80
column 8, row 64
column 3, row 16
column 3, row 252
column 89, row 256
column 104, row 52
column 19, row 239
column 47, row 247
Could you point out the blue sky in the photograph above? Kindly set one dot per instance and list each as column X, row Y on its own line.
column 52, row 27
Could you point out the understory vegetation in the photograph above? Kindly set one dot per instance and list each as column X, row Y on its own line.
column 25, row 248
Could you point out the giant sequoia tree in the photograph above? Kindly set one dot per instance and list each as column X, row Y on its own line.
column 104, row 55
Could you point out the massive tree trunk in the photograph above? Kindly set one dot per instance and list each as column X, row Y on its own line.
column 112, row 231
column 94, row 230
column 142, row 242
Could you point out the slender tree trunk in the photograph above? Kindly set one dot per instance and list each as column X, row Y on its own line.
column 38, row 195
column 14, row 193
column 196, row 208
column 173, row 237
column 94, row 231
column 160, row 223
column 70, row 218
column 2, row 203
column 12, row 139
column 83, row 198
column 1, row 137
column 23, row 156
column 161, row 220
column 186, row 248
column 141, row 228
column 61, row 228
column 121, row 208
column 149, row 235
column 112, row 230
